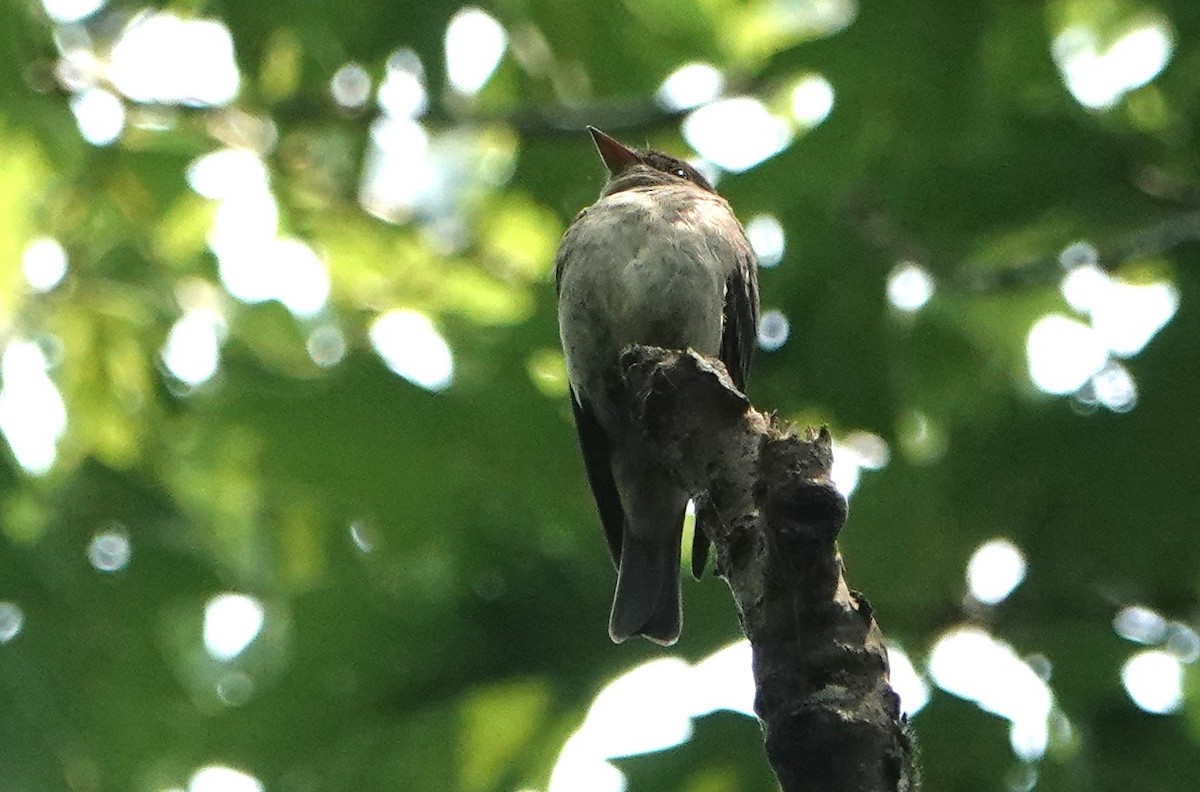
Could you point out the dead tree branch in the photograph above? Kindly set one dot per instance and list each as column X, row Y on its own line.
column 831, row 722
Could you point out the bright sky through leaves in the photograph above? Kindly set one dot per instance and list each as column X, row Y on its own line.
column 219, row 778
column 44, row 264
column 12, row 619
column 691, row 85
column 475, row 42
column 996, row 568
column 1063, row 354
column 767, row 238
column 231, row 622
column 167, row 59
column 100, row 115
column 33, row 416
column 1154, row 680
column 411, row 346
column 909, row 287
column 71, row 10
column 736, row 133
column 1099, row 77
column 972, row 664
column 812, row 100
column 109, row 550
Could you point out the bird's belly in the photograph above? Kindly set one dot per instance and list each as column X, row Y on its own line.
column 676, row 305
column 643, row 268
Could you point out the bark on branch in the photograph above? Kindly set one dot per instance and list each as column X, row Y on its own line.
column 831, row 722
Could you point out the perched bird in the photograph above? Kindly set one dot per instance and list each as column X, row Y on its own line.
column 660, row 259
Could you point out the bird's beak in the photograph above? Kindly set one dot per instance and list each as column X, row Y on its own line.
column 615, row 155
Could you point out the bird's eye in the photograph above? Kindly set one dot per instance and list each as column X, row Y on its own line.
column 680, row 172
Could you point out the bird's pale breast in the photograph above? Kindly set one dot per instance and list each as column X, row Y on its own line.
column 645, row 266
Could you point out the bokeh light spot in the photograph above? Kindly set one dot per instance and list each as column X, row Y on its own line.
column 231, row 622
column 921, row 437
column 161, row 58
column 650, row 708
column 971, row 664
column 724, row 681
column 845, row 472
column 78, row 68
column 44, row 264
column 736, row 133
column 869, row 450
column 326, row 346
column 301, row 281
column 12, row 619
column 218, row 778
column 1079, row 254
column 1140, row 624
column 253, row 263
column 912, row 689
column 1084, row 286
column 33, row 416
column 812, row 100
column 397, row 171
column 363, row 535
column 99, row 114
column 242, row 238
column 350, row 86
column 67, row 11
column 475, row 43
column 1154, row 681
column 1127, row 316
column 909, row 287
column 235, row 689
column 691, row 85
column 854, row 453
column 773, row 330
column 1098, row 79
column 1183, row 643
column 656, row 692
column 1063, row 354
column 766, row 236
column 548, row 371
column 1124, row 317
column 1113, row 386
column 580, row 770
column 228, row 174
column 110, row 550
column 402, row 93
column 996, row 568
column 192, row 352
column 411, row 347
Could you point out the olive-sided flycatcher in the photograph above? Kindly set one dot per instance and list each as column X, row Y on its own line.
column 660, row 259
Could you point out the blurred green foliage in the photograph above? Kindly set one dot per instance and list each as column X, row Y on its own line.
column 432, row 574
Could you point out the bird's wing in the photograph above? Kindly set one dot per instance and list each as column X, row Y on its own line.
column 597, row 460
column 739, row 335
column 740, row 329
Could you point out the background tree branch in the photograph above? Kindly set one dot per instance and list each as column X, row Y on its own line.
column 830, row 719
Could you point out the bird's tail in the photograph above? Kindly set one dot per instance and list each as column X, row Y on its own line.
column 647, row 599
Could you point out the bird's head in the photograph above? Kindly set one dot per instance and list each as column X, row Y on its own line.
column 629, row 168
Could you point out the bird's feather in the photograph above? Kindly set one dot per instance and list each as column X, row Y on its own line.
column 739, row 335
column 597, row 460
column 647, row 600
column 660, row 259
column 740, row 331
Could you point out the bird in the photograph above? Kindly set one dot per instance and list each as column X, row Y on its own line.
column 659, row 259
